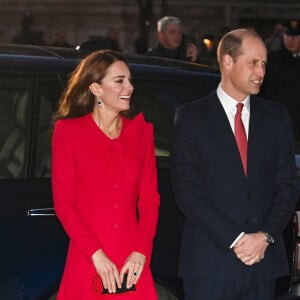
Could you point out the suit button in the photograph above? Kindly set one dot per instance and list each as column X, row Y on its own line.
column 116, row 226
column 115, row 205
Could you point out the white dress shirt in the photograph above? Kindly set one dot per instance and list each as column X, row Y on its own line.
column 229, row 105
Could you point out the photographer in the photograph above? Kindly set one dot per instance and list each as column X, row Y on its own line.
column 171, row 41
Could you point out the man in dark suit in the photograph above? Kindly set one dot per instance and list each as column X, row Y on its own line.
column 234, row 179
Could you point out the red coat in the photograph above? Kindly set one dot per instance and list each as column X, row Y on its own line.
column 98, row 183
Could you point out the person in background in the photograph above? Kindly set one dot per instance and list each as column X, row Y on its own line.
column 172, row 43
column 273, row 42
column 61, row 40
column 113, row 35
column 198, row 38
column 104, row 184
column 109, row 41
column 281, row 82
column 235, row 180
column 28, row 36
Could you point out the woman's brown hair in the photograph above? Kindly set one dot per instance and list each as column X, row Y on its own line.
column 77, row 99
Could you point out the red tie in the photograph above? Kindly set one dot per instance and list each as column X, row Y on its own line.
column 240, row 135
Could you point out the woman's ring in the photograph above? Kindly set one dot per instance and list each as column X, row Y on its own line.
column 135, row 273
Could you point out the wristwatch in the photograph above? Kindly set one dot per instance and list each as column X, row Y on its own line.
column 269, row 239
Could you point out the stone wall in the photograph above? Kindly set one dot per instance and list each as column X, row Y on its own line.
column 84, row 18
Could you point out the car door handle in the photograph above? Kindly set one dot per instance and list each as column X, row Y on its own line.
column 41, row 212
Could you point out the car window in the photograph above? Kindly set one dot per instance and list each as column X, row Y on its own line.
column 49, row 91
column 201, row 84
column 158, row 101
column 15, row 124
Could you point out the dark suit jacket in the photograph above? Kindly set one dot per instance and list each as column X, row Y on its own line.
column 215, row 196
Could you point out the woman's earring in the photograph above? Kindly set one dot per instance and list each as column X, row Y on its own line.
column 99, row 102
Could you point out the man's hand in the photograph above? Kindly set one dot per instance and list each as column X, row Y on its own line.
column 250, row 248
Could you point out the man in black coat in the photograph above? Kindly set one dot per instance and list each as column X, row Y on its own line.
column 171, row 41
column 234, row 179
column 282, row 80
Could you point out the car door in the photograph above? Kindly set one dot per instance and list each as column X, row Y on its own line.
column 33, row 246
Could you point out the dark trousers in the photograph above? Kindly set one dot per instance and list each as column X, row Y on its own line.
column 209, row 289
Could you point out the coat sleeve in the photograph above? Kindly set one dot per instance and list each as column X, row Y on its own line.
column 149, row 200
column 287, row 184
column 63, row 185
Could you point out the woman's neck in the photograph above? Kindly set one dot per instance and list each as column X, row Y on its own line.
column 109, row 123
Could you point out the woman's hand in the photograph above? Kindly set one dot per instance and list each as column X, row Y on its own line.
column 134, row 266
column 107, row 270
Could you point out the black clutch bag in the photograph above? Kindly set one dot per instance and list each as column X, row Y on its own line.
column 122, row 289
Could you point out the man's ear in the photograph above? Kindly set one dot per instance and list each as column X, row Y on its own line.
column 227, row 62
column 95, row 89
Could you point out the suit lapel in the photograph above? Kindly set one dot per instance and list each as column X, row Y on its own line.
column 222, row 130
column 254, row 136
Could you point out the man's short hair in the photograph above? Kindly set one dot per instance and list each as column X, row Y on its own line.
column 164, row 22
column 231, row 43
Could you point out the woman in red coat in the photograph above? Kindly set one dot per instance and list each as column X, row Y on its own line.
column 104, row 184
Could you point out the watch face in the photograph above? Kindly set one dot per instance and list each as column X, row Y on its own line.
column 269, row 238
